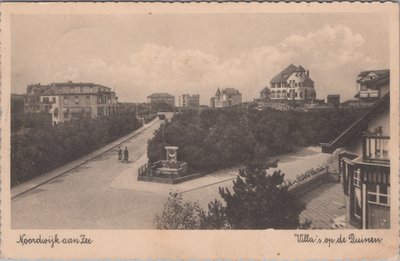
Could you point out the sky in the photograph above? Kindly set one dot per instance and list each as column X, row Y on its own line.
column 140, row 54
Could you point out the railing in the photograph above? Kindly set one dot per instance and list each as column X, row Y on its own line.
column 376, row 148
column 142, row 171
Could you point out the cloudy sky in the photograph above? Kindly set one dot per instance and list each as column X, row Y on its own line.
column 141, row 54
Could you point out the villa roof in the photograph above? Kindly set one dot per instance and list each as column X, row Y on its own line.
column 377, row 72
column 357, row 127
column 308, row 81
column 380, row 80
column 283, row 75
column 160, row 95
column 77, row 84
column 265, row 90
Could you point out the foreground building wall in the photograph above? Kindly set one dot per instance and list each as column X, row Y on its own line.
column 364, row 165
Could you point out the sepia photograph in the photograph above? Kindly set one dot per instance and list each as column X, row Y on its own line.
column 187, row 120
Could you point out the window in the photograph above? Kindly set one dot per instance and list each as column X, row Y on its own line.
column 87, row 99
column 45, row 99
column 90, row 89
column 295, row 94
column 378, row 194
column 65, row 100
column 76, row 100
column 65, row 114
column 81, row 88
column 357, row 178
column 100, row 111
column 54, row 99
column 72, row 89
column 301, row 94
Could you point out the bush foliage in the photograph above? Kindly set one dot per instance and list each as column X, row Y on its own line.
column 257, row 201
column 179, row 214
column 218, row 138
column 37, row 148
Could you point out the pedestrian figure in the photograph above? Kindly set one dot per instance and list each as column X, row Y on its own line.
column 119, row 153
column 126, row 154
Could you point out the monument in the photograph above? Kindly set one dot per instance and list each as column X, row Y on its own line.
column 169, row 170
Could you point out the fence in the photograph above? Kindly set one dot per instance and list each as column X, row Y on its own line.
column 143, row 170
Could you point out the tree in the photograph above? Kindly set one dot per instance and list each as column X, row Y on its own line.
column 179, row 214
column 258, row 201
column 37, row 146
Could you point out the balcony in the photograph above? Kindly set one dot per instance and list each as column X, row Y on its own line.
column 376, row 148
column 369, row 93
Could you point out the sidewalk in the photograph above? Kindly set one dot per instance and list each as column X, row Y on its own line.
column 45, row 177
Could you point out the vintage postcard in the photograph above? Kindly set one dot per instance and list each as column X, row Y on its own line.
column 200, row 130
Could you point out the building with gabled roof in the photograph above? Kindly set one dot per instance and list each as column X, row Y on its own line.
column 372, row 85
column 292, row 83
column 226, row 97
column 364, row 166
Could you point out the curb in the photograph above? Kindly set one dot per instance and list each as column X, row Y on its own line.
column 101, row 152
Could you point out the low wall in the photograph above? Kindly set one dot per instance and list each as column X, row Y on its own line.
column 169, row 180
column 303, row 187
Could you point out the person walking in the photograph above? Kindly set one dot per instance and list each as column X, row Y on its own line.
column 119, row 153
column 126, row 154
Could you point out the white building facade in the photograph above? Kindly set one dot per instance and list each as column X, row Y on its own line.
column 293, row 83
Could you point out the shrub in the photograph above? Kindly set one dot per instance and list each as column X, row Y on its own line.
column 40, row 148
column 220, row 138
column 179, row 214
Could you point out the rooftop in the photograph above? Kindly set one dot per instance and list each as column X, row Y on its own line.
column 283, row 75
column 357, row 127
column 160, row 95
column 377, row 72
column 69, row 84
column 266, row 90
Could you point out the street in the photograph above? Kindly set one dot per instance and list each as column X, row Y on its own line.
column 104, row 194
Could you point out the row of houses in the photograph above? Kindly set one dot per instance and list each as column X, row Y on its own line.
column 293, row 81
column 69, row 100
